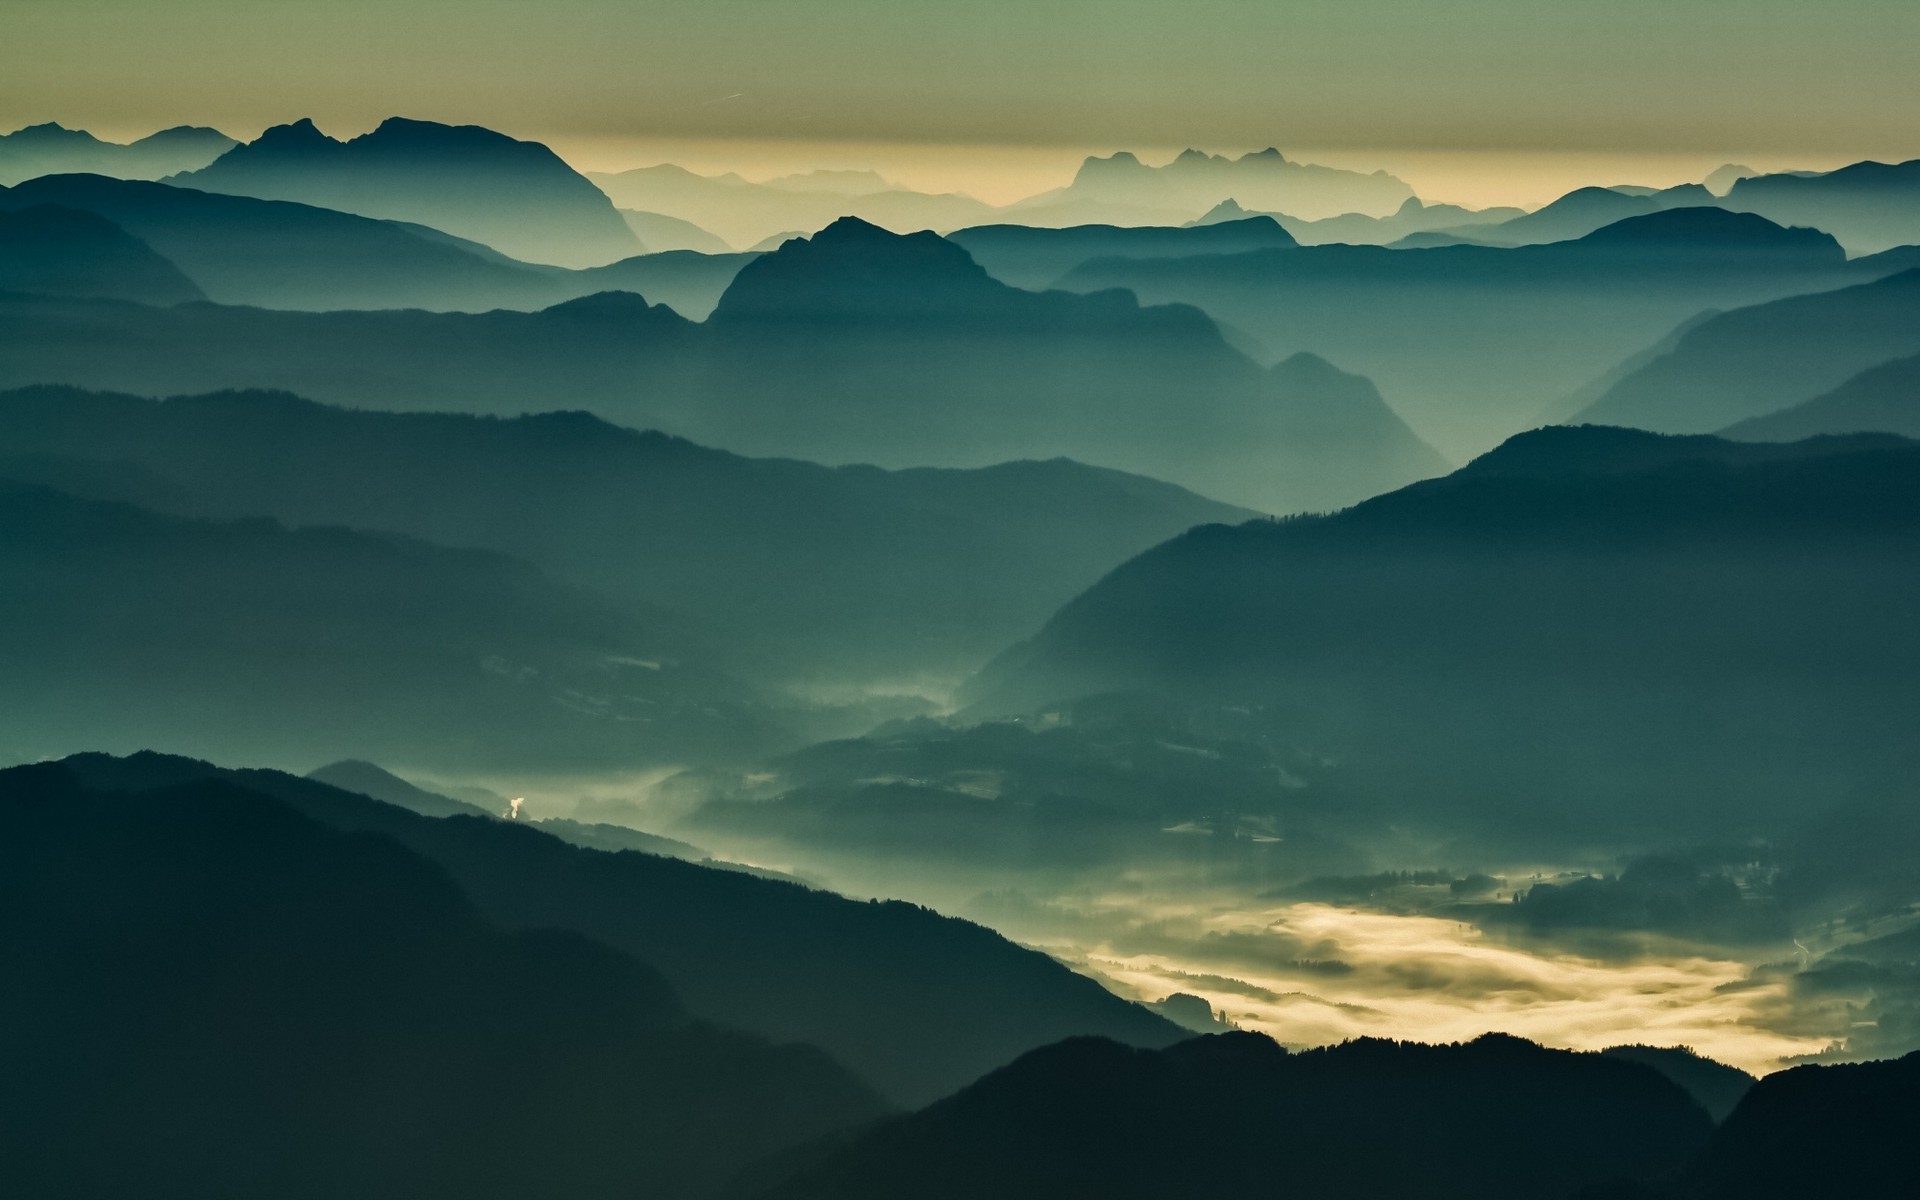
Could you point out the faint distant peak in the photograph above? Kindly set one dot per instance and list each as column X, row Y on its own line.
column 1721, row 180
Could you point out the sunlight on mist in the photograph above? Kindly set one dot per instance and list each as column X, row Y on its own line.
column 1429, row 979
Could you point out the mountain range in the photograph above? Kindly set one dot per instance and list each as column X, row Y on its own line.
column 1195, row 181
column 1869, row 206
column 123, row 626
column 795, row 567
column 52, row 251
column 518, row 197
column 1470, row 342
column 853, row 346
column 51, row 149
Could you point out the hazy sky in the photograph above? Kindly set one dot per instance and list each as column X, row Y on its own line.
column 1786, row 80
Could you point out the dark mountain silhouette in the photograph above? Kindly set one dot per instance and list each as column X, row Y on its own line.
column 1034, row 258
column 124, row 626
column 746, row 214
column 1768, row 357
column 1194, row 182
column 615, row 353
column 51, row 149
column 854, row 346
column 1579, row 213
column 239, row 1001
column 861, row 344
column 517, row 197
column 689, row 282
column 1597, row 631
column 916, row 1003
column 1235, row 1115
column 277, row 254
column 1714, row 1086
column 855, row 569
column 1818, row 1131
column 1869, row 206
column 246, row 251
column 64, row 252
column 1468, row 342
column 1883, row 399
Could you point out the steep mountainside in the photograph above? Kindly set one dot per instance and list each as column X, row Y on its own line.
column 228, row 998
column 1592, row 630
column 1882, row 399
column 1765, row 358
column 916, row 1003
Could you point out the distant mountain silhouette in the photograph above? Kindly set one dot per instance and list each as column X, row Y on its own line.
column 517, row 197
column 1765, row 358
column 659, row 233
column 1235, row 1116
column 246, row 637
column 1468, row 342
column 746, row 214
column 1721, row 179
column 1869, row 206
column 246, row 251
column 856, row 345
column 850, row 569
column 51, row 149
column 1409, row 219
column 1882, row 399
column 689, row 282
column 1034, row 258
column 1598, row 631
column 278, row 254
column 1584, row 396
column 916, row 1003
column 65, row 252
column 231, row 999
column 1579, row 213
column 1194, row 182
column 1714, row 1086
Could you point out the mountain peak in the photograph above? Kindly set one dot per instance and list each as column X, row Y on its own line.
column 1708, row 227
column 300, row 134
column 854, row 266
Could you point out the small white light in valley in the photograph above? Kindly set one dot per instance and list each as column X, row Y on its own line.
column 513, row 807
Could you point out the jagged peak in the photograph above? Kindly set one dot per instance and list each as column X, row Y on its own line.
column 295, row 133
